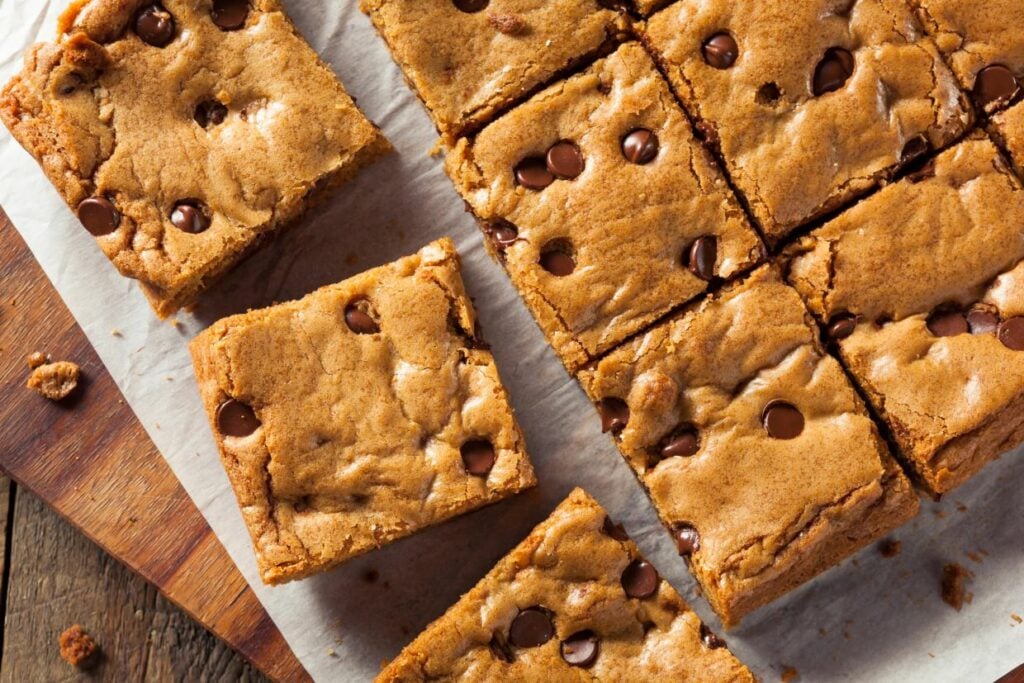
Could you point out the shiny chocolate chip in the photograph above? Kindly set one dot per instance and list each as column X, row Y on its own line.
column 683, row 442
column 557, row 259
column 230, row 15
column 687, row 539
column 982, row 321
column 99, row 216
column 832, row 72
column 533, row 174
column 1011, row 333
column 720, row 51
column 994, row 86
column 614, row 414
column 564, row 160
column 155, row 25
column 782, row 420
column 190, row 216
column 842, row 326
column 616, row 531
column 640, row 579
column 702, row 257
column 503, row 234
column 947, row 323
column 359, row 320
column 478, row 457
column 640, row 146
column 581, row 648
column 710, row 638
column 235, row 418
column 470, row 6
column 531, row 627
column 914, row 149
column 210, row 113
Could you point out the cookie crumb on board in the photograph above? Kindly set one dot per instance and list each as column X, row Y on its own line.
column 36, row 359
column 77, row 647
column 789, row 674
column 954, row 586
column 890, row 547
column 54, row 381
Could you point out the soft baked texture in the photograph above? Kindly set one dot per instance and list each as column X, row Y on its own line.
column 573, row 568
column 628, row 225
column 360, row 435
column 793, row 154
column 928, row 244
column 107, row 114
column 1008, row 128
column 769, row 513
column 467, row 66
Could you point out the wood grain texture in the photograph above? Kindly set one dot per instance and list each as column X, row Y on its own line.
column 91, row 461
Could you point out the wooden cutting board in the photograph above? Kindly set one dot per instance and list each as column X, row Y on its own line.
column 91, row 460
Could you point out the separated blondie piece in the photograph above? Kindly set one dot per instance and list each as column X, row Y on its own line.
column 1008, row 128
column 755, row 449
column 183, row 133
column 572, row 602
column 921, row 287
column 359, row 414
column 605, row 210
column 810, row 103
column 468, row 59
column 983, row 42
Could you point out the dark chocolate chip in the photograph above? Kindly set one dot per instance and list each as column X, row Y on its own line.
column 190, row 216
column 155, row 25
column 1011, row 333
column 842, row 326
column 230, row 15
column 782, row 420
column 702, row 257
column 359, row 320
column 478, row 457
column 616, row 531
column 710, row 638
column 834, row 69
column 581, row 648
column 914, row 148
column 947, row 323
column 683, row 442
column 210, row 113
column 470, row 6
column 531, row 627
column 687, row 539
column 565, row 160
column 994, row 86
column 922, row 171
column 235, row 418
column 556, row 258
column 503, row 234
column 720, row 51
column 99, row 216
column 614, row 414
column 640, row 579
column 982, row 321
column 533, row 174
column 640, row 146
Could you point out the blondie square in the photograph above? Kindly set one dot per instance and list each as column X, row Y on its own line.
column 359, row 414
column 811, row 103
column 921, row 287
column 983, row 42
column 602, row 205
column 572, row 602
column 757, row 452
column 468, row 59
column 183, row 133
column 1008, row 128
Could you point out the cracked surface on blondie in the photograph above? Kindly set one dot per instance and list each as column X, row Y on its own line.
column 793, row 154
column 770, row 512
column 952, row 241
column 628, row 225
column 360, row 435
column 107, row 114
column 573, row 568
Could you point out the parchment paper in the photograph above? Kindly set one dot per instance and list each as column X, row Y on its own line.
column 872, row 619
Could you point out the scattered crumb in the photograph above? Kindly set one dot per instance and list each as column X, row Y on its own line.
column 932, row 655
column 371, row 576
column 940, row 514
column 1016, row 617
column 36, row 359
column 789, row 674
column 822, row 632
column 116, row 333
column 855, row 562
column 54, row 381
column 507, row 23
column 330, row 652
column 961, row 507
column 175, row 322
column 954, row 580
column 77, row 647
column 169, row 378
column 890, row 547
column 975, row 556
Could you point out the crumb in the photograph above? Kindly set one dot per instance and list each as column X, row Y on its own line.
column 54, row 381
column 116, row 333
column 36, row 359
column 169, row 378
column 855, row 562
column 890, row 547
column 175, row 322
column 371, row 576
column 975, row 556
column 509, row 24
column 961, row 507
column 822, row 632
column 954, row 579
column 940, row 514
column 1016, row 617
column 330, row 652
column 789, row 674
column 77, row 647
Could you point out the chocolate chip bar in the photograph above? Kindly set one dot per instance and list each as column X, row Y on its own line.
column 1008, row 128
column 603, row 207
column 184, row 133
column 358, row 415
column 572, row 602
column 468, row 59
column 921, row 287
column 755, row 449
column 807, row 124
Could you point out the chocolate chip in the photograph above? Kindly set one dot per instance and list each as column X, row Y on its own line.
column 720, row 51
column 470, row 6
column 533, row 174
column 640, row 579
column 507, row 23
column 834, row 69
column 190, row 216
column 1011, row 333
column 616, row 531
column 235, row 418
column 982, row 321
column 155, row 25
column 994, row 86
column 702, row 257
column 556, row 258
column 230, row 15
column 502, row 235
column 565, row 160
column 478, row 457
column 210, row 113
column 683, row 442
column 922, row 171
column 947, row 323
column 710, row 638
column 687, row 539
column 500, row 649
column 914, row 148
column 99, row 216
column 782, row 420
column 842, row 326
column 640, row 146
column 614, row 414
column 531, row 627
column 359, row 319
column 580, row 649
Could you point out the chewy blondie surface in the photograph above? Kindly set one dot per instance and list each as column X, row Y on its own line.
column 811, row 103
column 468, row 59
column 755, row 449
column 923, row 287
column 1008, row 127
column 358, row 415
column 183, row 133
column 602, row 205
column 572, row 602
